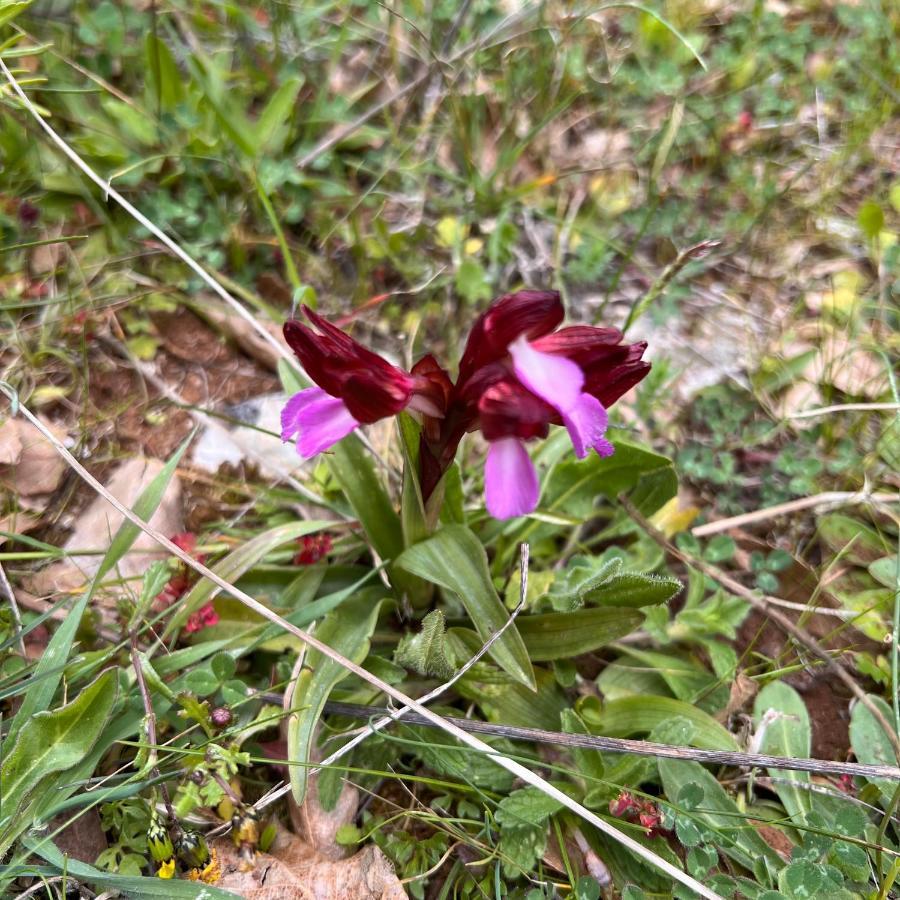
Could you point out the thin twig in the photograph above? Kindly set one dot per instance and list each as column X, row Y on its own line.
column 826, row 498
column 393, row 715
column 623, row 745
column 511, row 765
column 842, row 407
column 760, row 604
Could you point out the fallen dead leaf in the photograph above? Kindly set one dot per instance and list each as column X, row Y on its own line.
column 292, row 870
column 37, row 468
column 318, row 827
column 17, row 523
column 10, row 443
column 97, row 525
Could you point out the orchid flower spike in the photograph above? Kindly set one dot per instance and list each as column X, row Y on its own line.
column 518, row 375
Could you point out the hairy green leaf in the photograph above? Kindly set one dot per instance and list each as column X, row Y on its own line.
column 455, row 560
column 553, row 636
column 426, row 652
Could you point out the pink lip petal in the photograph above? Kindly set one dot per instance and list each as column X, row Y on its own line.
column 320, row 419
column 290, row 415
column 604, row 448
column 587, row 421
column 555, row 379
column 510, row 481
column 322, row 424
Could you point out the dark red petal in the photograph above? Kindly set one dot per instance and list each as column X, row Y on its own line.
column 608, row 387
column 583, row 344
column 532, row 313
column 371, row 396
column 313, row 355
column 370, row 386
column 432, row 381
column 507, row 409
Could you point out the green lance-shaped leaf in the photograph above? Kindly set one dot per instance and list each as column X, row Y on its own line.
column 51, row 742
column 48, row 672
column 239, row 561
column 426, row 652
column 347, row 630
column 274, row 121
column 454, row 559
column 165, row 79
column 648, row 477
column 871, row 745
column 628, row 716
column 564, row 635
column 782, row 722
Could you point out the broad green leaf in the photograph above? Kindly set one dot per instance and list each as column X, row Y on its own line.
column 884, row 571
column 236, row 563
column 46, row 676
column 273, row 123
column 625, row 679
column 639, row 715
column 455, row 560
column 165, row 77
column 871, row 745
column 510, row 703
column 633, row 589
column 857, row 542
column 130, row 886
column 51, row 742
column 648, row 477
column 737, row 838
column 781, row 719
column 686, row 678
column 352, row 467
column 347, row 630
column 566, row 634
column 526, row 808
column 426, row 652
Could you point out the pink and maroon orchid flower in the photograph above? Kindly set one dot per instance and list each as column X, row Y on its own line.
column 518, row 375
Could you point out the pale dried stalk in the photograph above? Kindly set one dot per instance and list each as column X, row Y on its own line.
column 517, row 769
column 843, row 407
column 625, row 745
column 826, row 498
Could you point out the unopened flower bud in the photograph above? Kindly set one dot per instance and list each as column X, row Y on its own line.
column 221, row 717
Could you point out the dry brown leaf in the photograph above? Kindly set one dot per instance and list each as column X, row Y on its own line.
column 10, row 443
column 17, row 523
column 292, row 870
column 318, row 827
column 38, row 468
column 96, row 526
